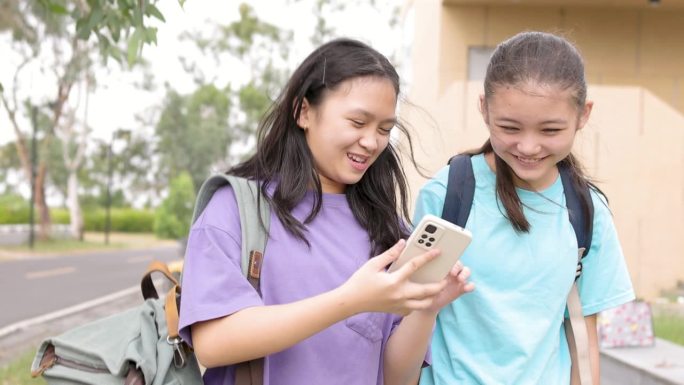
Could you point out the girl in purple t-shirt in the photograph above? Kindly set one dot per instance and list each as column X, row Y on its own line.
column 329, row 312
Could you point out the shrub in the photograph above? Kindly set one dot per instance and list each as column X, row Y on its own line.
column 125, row 220
column 172, row 219
column 15, row 209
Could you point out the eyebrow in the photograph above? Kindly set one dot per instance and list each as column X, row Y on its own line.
column 550, row 121
column 369, row 115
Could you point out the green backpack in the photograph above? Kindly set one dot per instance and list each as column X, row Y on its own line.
column 141, row 345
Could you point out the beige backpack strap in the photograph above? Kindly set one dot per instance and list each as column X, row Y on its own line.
column 578, row 339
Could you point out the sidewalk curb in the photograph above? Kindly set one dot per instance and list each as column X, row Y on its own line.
column 21, row 325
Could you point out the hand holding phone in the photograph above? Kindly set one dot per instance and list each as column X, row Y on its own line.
column 434, row 233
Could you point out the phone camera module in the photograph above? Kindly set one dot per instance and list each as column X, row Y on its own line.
column 431, row 229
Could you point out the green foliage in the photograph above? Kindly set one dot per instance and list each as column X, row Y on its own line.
column 15, row 209
column 173, row 217
column 125, row 220
column 18, row 371
column 669, row 326
column 192, row 132
column 60, row 216
column 263, row 48
column 111, row 22
column 243, row 34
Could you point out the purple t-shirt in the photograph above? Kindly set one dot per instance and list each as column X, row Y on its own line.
column 348, row 352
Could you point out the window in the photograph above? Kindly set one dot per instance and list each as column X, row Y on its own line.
column 478, row 58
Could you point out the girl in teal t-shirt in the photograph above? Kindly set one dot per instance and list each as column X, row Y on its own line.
column 523, row 255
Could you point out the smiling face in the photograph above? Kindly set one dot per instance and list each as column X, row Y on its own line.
column 349, row 129
column 532, row 127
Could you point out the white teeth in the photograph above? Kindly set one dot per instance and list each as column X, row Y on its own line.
column 356, row 159
column 528, row 160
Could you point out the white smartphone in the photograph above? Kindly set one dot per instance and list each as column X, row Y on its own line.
column 434, row 233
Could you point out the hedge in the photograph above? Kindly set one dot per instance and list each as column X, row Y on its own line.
column 16, row 211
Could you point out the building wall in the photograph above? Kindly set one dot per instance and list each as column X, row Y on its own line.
column 634, row 142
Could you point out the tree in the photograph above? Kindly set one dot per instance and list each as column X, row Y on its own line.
column 172, row 219
column 262, row 49
column 191, row 132
column 62, row 35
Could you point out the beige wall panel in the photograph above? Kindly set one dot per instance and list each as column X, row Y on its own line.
column 668, row 88
column 665, row 88
column 612, row 130
column 604, row 147
column 678, row 103
column 462, row 27
column 505, row 21
column 426, row 50
column 662, row 43
column 619, row 80
column 608, row 39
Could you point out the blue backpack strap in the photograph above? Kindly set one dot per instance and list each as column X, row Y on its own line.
column 582, row 225
column 460, row 190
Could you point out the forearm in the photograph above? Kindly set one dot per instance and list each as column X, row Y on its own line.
column 259, row 331
column 406, row 348
column 594, row 358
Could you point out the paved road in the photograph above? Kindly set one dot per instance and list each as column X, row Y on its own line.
column 34, row 287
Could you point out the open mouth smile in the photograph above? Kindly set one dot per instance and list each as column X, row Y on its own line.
column 530, row 161
column 357, row 158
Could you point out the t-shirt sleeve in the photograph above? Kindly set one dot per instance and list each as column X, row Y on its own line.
column 605, row 281
column 213, row 283
column 431, row 196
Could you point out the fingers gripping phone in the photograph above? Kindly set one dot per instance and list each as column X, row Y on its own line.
column 434, row 233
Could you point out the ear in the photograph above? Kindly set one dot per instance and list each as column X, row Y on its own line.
column 584, row 116
column 482, row 106
column 305, row 115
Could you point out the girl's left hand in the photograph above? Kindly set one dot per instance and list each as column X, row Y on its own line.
column 457, row 285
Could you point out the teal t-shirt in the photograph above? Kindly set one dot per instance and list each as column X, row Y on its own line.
column 510, row 329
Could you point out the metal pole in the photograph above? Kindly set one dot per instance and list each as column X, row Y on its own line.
column 34, row 123
column 108, row 219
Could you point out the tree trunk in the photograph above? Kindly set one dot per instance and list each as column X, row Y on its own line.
column 75, row 213
column 41, row 205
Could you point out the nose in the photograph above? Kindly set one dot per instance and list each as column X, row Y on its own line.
column 369, row 139
column 529, row 145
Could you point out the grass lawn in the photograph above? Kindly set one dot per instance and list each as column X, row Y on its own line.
column 60, row 245
column 669, row 326
column 92, row 241
column 19, row 372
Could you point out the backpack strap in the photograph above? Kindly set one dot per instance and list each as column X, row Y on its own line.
column 254, row 237
column 582, row 225
column 460, row 190
column 575, row 325
column 254, row 227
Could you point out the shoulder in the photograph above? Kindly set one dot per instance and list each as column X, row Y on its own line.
column 432, row 194
column 221, row 212
column 600, row 202
column 437, row 185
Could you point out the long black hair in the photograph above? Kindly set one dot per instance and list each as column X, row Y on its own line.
column 546, row 59
column 283, row 158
